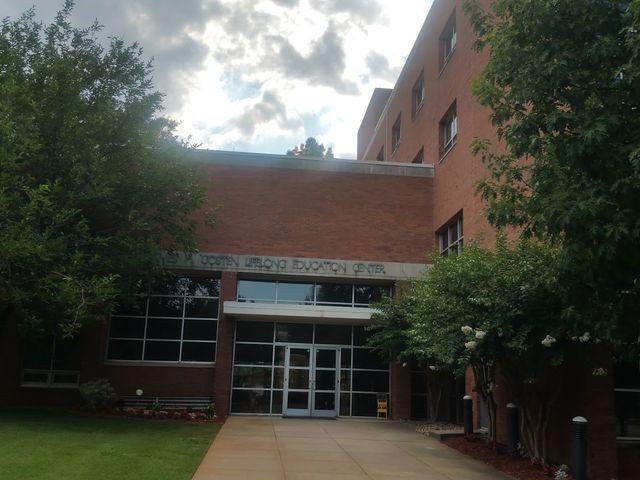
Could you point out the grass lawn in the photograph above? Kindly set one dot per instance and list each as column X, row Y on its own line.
column 54, row 444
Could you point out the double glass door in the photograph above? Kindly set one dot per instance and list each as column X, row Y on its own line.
column 311, row 381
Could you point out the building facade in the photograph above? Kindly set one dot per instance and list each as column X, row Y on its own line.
column 269, row 317
column 431, row 117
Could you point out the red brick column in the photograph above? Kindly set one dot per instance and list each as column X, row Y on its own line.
column 400, row 390
column 224, row 349
column 10, row 360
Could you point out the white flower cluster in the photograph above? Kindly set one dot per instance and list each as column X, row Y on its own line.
column 599, row 372
column 471, row 345
column 585, row 337
column 548, row 341
column 466, row 329
column 561, row 473
column 480, row 334
column 433, row 367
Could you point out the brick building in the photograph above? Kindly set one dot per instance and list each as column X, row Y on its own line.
column 269, row 317
column 430, row 117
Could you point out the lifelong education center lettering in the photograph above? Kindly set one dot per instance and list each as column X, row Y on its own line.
column 250, row 263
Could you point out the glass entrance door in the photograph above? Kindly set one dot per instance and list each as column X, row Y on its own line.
column 311, row 382
column 325, row 384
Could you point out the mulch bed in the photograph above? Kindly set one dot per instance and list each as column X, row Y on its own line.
column 518, row 467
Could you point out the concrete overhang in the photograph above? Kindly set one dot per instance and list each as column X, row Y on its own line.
column 298, row 313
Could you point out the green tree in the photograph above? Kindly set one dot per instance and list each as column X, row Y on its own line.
column 563, row 87
column 311, row 148
column 497, row 311
column 92, row 182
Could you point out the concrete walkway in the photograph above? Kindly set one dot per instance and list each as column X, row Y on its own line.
column 266, row 448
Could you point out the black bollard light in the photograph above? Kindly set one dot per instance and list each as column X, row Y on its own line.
column 579, row 465
column 467, row 410
column 513, row 428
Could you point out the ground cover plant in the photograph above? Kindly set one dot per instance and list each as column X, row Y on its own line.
column 54, row 444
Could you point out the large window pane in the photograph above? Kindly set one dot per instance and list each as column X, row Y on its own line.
column 165, row 306
column 200, row 329
column 334, row 293
column 164, row 328
column 125, row 350
column 363, row 405
column 359, row 336
column 252, row 377
column 294, row 333
column 253, row 354
column 628, row 414
column 295, row 293
column 254, row 332
column 132, row 305
column 366, row 294
column 127, row 327
column 276, row 405
column 198, row 351
column 38, row 352
column 162, row 351
column 345, row 357
column 369, row 359
column 365, row 381
column 202, row 287
column 333, row 334
column 168, row 285
column 201, row 307
column 250, row 401
column 255, row 291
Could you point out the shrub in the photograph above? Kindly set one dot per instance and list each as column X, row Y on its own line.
column 97, row 394
column 210, row 411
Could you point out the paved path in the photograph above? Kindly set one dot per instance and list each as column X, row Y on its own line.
column 266, row 448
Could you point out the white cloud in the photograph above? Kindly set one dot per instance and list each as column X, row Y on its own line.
column 263, row 75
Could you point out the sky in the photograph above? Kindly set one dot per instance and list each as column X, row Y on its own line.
column 260, row 75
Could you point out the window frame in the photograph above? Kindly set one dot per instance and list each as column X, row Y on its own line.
column 448, row 130
column 184, row 318
column 419, row 158
column 447, row 229
column 417, row 95
column 448, row 40
column 396, row 133
column 50, row 372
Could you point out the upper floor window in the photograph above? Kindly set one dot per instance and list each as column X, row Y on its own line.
column 176, row 321
column 417, row 94
column 395, row 134
column 419, row 158
column 294, row 293
column 380, row 156
column 448, row 40
column 450, row 236
column 448, row 130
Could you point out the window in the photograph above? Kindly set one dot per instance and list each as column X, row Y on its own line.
column 259, row 357
column 380, row 156
column 419, row 158
column 450, row 237
column 395, row 134
column 417, row 94
column 627, row 400
column 448, row 40
column 336, row 294
column 51, row 362
column 176, row 322
column 448, row 130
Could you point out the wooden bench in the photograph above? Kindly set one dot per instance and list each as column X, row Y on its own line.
column 173, row 403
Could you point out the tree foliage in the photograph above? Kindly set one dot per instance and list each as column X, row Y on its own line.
column 92, row 183
column 488, row 308
column 311, row 148
column 563, row 87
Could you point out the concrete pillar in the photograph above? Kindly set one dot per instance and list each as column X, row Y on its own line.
column 400, row 390
column 224, row 347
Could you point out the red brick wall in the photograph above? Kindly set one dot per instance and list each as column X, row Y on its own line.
column 224, row 355
column 400, row 390
column 306, row 213
column 458, row 172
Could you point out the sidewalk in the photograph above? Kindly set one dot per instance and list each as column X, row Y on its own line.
column 267, row 448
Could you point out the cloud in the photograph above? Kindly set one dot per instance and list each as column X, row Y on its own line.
column 270, row 108
column 378, row 66
column 367, row 10
column 286, row 3
column 324, row 65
